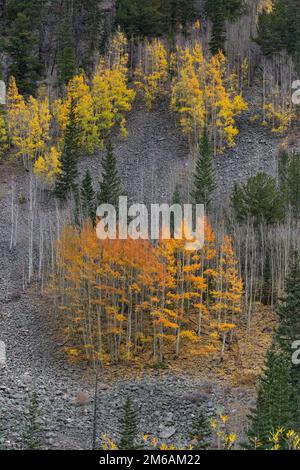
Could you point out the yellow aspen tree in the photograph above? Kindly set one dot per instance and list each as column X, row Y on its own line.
column 223, row 103
column 79, row 92
column 28, row 123
column 164, row 317
column 207, row 258
column 277, row 116
column 228, row 293
column 152, row 73
column 47, row 166
column 188, row 91
column 202, row 94
column 112, row 98
column 38, row 126
column 127, row 300
column 16, row 110
column 4, row 144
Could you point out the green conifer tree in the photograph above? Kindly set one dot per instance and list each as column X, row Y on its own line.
column 219, row 11
column 33, row 429
column 21, row 45
column 259, row 199
column 288, row 331
column 87, row 193
column 201, row 431
column 177, row 15
column 176, row 199
column 217, row 17
column 140, row 18
column 289, row 178
column 274, row 406
column 279, row 29
column 129, row 427
column 66, row 58
column 110, row 187
column 66, row 180
column 205, row 178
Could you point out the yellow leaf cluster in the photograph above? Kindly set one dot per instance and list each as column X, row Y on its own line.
column 47, row 166
column 204, row 93
column 152, row 73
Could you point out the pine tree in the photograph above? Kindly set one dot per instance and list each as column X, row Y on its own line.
column 201, row 431
column 110, row 187
column 259, row 198
column 32, row 433
column 65, row 181
column 217, row 17
column 219, row 11
column 177, row 14
column 204, row 179
column 91, row 24
column 289, row 178
column 25, row 65
column 278, row 402
column 176, row 199
column 288, row 331
column 129, row 427
column 274, row 406
column 88, row 197
column 265, row 33
column 140, row 18
column 279, row 29
column 66, row 59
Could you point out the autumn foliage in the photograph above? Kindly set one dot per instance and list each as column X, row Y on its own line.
column 127, row 299
column 36, row 127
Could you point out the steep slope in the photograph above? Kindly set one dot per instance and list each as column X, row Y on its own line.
column 151, row 161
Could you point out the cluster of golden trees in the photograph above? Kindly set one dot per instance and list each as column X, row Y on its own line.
column 276, row 108
column 36, row 126
column 205, row 94
column 203, row 91
column 125, row 299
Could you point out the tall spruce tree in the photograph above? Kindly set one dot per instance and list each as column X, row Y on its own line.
column 66, row 57
column 140, row 18
column 201, row 431
column 259, row 199
column 177, row 14
column 129, row 427
column 110, row 187
column 274, row 406
column 278, row 400
column 87, row 193
column 154, row 17
column 217, row 17
column 66, row 179
column 219, row 11
column 289, row 331
column 22, row 46
column 205, row 178
column 32, row 434
column 280, row 28
column 289, row 178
